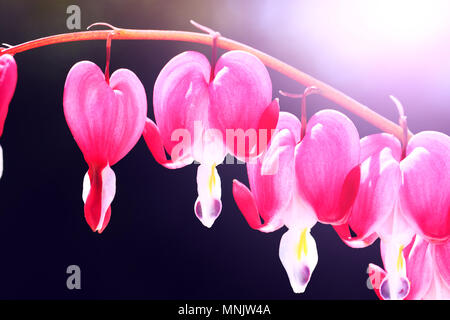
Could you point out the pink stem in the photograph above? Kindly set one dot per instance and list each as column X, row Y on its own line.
column 303, row 118
column 403, row 124
column 108, row 56
column 308, row 91
column 215, row 35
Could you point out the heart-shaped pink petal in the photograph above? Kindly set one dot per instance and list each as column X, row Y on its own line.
column 240, row 93
column 425, row 195
column 271, row 179
column 8, row 80
column 181, row 99
column 326, row 165
column 106, row 120
column 379, row 185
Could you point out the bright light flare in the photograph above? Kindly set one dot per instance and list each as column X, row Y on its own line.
column 401, row 20
column 355, row 27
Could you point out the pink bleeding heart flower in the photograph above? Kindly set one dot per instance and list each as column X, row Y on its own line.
column 274, row 195
column 204, row 112
column 427, row 269
column 289, row 179
column 8, row 80
column 404, row 191
column 106, row 119
column 425, row 192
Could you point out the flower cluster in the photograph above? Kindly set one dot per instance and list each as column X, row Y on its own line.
column 300, row 173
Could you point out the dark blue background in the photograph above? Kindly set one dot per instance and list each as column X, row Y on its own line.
column 154, row 246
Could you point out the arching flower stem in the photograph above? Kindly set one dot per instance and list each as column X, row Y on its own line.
column 326, row 90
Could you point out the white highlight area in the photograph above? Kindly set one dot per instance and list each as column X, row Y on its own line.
column 355, row 27
column 401, row 20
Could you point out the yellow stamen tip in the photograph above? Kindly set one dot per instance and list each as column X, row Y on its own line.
column 301, row 246
column 212, row 178
column 400, row 258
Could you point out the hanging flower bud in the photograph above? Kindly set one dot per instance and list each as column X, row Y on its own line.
column 106, row 121
column 8, row 80
column 213, row 110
